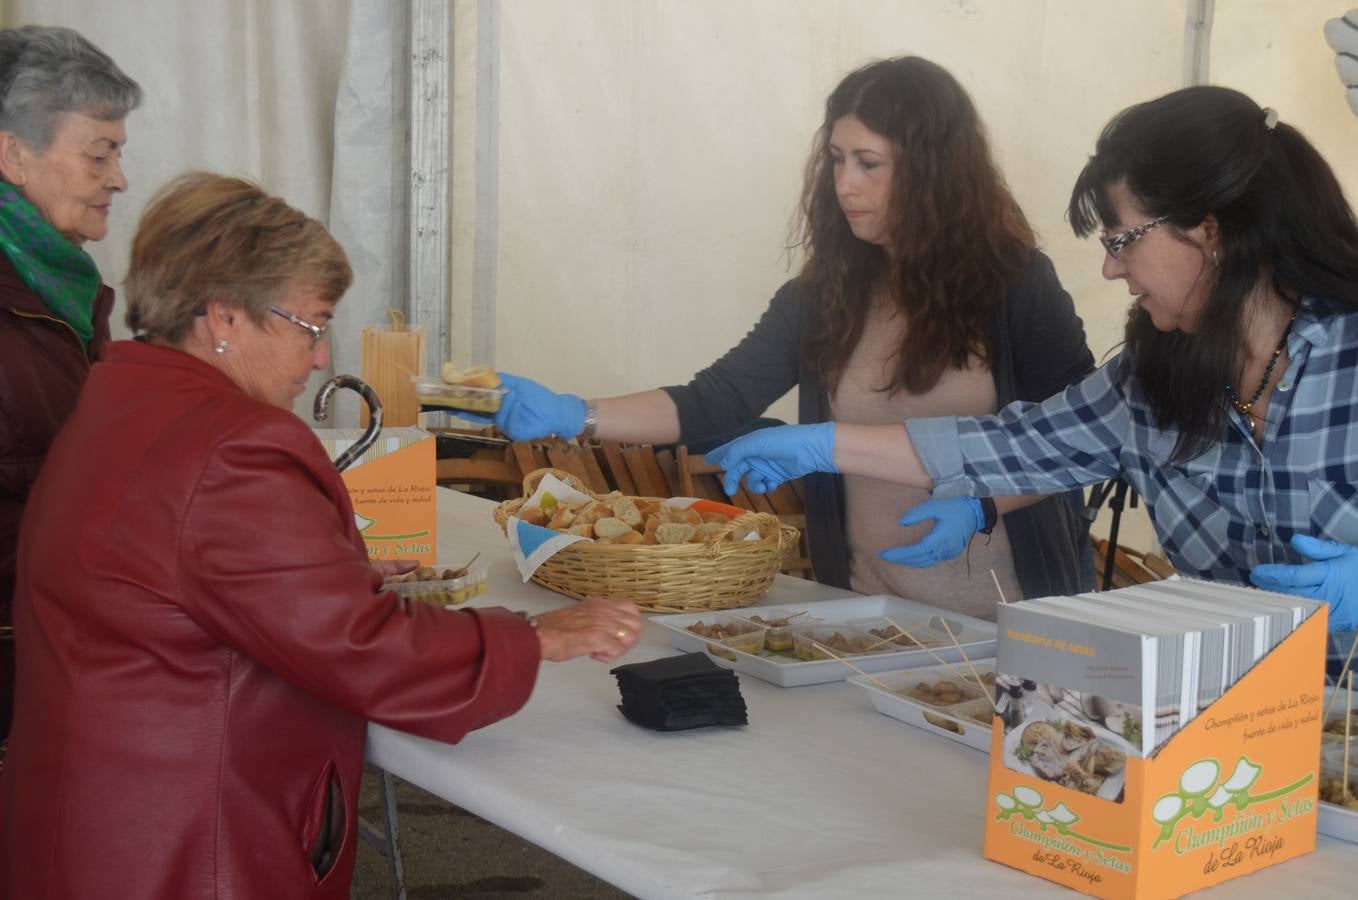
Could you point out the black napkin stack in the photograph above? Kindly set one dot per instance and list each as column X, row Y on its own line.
column 679, row 692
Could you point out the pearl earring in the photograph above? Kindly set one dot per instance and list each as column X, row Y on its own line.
column 221, row 346
column 1216, row 260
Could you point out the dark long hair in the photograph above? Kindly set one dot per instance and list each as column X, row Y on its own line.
column 959, row 239
column 1282, row 216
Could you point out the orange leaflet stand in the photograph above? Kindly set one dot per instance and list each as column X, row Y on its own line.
column 1235, row 790
column 391, row 487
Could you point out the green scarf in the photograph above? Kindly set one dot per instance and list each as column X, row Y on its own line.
column 60, row 273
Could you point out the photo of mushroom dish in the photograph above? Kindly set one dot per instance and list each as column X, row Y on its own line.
column 1069, row 753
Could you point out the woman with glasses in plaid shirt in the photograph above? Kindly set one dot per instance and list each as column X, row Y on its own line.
column 1231, row 408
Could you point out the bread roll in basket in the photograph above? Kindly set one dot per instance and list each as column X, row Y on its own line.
column 667, row 578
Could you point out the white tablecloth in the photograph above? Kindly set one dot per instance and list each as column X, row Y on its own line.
column 819, row 797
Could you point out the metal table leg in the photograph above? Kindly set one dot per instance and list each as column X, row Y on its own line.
column 386, row 840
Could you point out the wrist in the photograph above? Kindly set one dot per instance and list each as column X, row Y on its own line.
column 576, row 412
column 828, row 436
column 535, row 624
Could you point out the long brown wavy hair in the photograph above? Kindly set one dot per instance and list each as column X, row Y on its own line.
column 958, row 238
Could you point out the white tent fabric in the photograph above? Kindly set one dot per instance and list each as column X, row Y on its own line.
column 624, row 172
column 245, row 88
column 368, row 186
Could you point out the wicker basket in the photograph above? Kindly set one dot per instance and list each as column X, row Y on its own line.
column 667, row 578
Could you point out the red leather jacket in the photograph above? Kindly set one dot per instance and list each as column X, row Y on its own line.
column 42, row 366
column 201, row 639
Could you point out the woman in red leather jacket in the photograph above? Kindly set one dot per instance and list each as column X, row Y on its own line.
column 202, row 637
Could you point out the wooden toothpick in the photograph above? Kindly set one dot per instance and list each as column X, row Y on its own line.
column 1348, row 733
column 947, row 664
column 985, row 692
column 1339, row 682
column 996, row 579
column 837, row 658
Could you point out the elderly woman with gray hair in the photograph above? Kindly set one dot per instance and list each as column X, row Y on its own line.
column 62, row 106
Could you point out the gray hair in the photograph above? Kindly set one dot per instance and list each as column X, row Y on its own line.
column 47, row 71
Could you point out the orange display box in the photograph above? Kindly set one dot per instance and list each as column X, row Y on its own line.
column 391, row 487
column 1236, row 789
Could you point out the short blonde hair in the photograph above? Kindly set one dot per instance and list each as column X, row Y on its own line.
column 207, row 237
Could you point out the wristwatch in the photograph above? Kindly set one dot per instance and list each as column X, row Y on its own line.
column 591, row 420
column 990, row 514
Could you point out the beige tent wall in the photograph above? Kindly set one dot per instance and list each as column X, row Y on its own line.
column 651, row 157
column 1276, row 52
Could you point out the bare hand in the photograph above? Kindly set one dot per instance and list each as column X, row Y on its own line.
column 603, row 629
column 390, row 568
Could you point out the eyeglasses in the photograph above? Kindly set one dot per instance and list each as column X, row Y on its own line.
column 1116, row 243
column 317, row 331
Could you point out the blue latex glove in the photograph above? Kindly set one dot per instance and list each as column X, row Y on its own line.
column 530, row 412
column 770, row 456
column 956, row 521
column 1333, row 577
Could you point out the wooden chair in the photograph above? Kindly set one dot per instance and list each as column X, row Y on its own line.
column 1130, row 567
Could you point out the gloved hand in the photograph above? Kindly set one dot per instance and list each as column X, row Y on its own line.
column 530, row 411
column 956, row 521
column 1333, row 577
column 770, row 456
column 1342, row 36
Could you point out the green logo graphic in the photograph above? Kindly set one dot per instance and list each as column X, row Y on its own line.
column 1196, row 796
column 1027, row 803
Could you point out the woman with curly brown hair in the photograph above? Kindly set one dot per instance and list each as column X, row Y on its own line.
column 922, row 293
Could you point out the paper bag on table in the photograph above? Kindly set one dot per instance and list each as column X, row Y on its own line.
column 389, row 355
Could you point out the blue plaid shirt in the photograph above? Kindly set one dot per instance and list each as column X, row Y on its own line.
column 1217, row 516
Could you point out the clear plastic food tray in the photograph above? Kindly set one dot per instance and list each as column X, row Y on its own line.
column 435, row 392
column 445, row 591
column 782, row 667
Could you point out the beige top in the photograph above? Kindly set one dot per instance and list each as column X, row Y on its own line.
column 873, row 508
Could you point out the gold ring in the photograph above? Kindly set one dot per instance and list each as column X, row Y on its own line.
column 621, row 633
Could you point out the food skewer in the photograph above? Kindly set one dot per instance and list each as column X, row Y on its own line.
column 1348, row 660
column 996, row 579
column 1348, row 733
column 930, row 652
column 835, row 656
column 974, row 674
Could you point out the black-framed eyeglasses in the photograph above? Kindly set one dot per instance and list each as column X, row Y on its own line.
column 1116, row 243
column 317, row 331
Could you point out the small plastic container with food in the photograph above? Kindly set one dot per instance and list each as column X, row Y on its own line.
column 981, row 711
column 1332, row 776
column 434, row 393
column 909, row 634
column 941, row 691
column 828, row 641
column 1333, row 732
column 778, row 639
column 727, row 633
column 442, row 586
column 475, row 390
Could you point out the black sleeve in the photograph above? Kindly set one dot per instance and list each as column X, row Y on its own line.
column 1048, row 338
column 748, row 378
